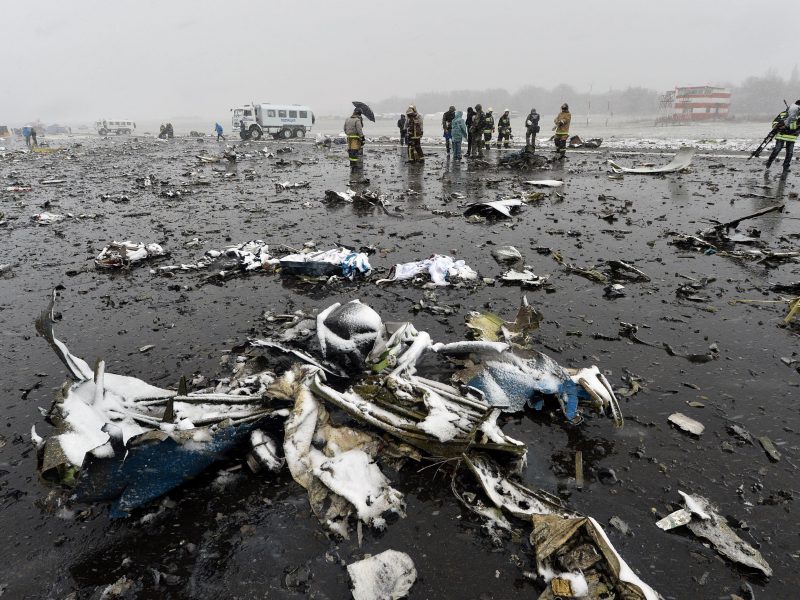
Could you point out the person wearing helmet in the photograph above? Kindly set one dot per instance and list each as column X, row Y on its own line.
column 447, row 120
column 476, row 132
column 788, row 126
column 354, row 130
column 504, row 130
column 488, row 128
column 531, row 129
column 561, row 127
column 414, row 120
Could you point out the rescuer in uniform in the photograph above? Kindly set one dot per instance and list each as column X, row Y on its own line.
column 476, row 131
column 531, row 129
column 414, row 120
column 561, row 128
column 504, row 130
column 488, row 128
column 354, row 130
column 787, row 125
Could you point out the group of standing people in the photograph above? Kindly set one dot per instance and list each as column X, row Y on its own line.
column 29, row 133
column 478, row 129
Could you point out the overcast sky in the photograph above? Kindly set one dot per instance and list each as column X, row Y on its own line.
column 75, row 61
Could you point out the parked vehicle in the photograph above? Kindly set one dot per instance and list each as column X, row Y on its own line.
column 278, row 120
column 116, row 126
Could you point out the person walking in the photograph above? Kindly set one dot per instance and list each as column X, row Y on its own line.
column 403, row 127
column 470, row 117
column 787, row 124
column 26, row 133
column 218, row 130
column 414, row 120
column 447, row 119
column 531, row 129
column 476, row 131
column 504, row 130
column 458, row 131
column 34, row 143
column 561, row 128
column 488, row 128
column 354, row 130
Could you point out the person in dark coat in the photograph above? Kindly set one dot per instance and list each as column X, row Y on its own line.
column 447, row 119
column 470, row 116
column 403, row 127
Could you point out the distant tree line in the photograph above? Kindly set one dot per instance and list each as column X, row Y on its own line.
column 763, row 96
column 754, row 97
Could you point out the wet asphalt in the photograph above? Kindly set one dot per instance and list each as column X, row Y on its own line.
column 254, row 536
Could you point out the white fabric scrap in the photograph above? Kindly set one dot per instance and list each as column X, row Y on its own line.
column 441, row 269
column 385, row 576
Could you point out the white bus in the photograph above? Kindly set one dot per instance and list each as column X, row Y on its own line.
column 278, row 120
column 117, row 126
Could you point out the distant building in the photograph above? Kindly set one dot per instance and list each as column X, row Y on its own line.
column 694, row 103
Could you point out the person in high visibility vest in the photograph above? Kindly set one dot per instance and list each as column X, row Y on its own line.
column 504, row 130
column 414, row 120
column 354, row 130
column 561, row 128
column 787, row 124
column 488, row 128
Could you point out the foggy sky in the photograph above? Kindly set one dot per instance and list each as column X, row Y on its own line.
column 75, row 61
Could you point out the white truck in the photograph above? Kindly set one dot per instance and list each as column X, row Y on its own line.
column 117, row 126
column 278, row 120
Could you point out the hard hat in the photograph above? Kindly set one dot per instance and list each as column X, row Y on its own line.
column 506, row 110
column 490, row 109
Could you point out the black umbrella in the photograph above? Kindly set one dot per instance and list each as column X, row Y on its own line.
column 365, row 110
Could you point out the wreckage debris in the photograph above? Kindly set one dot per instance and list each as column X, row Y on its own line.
column 576, row 142
column 506, row 255
column 337, row 261
column 112, row 430
column 47, row 218
column 680, row 162
column 119, row 255
column 687, row 424
column 385, row 576
column 525, row 278
column 551, row 183
column 705, row 522
column 441, row 269
column 495, row 209
column 288, row 185
column 576, row 559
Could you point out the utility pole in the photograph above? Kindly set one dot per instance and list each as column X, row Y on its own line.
column 588, row 104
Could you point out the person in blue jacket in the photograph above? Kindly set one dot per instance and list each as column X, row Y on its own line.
column 458, row 131
column 26, row 133
column 218, row 129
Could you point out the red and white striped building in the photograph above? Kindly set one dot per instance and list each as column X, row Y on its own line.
column 701, row 103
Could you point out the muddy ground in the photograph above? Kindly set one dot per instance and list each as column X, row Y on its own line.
column 255, row 537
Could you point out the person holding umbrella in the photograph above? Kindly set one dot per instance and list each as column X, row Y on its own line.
column 354, row 130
